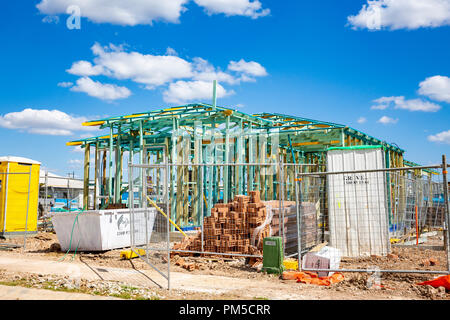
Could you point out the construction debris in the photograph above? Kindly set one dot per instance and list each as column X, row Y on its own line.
column 189, row 266
column 312, row 278
column 290, row 264
column 429, row 262
column 443, row 281
column 130, row 254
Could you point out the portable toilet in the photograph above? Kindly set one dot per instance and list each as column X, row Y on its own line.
column 19, row 192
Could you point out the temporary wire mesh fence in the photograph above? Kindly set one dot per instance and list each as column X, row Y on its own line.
column 59, row 194
column 361, row 217
column 220, row 219
column 391, row 219
column 149, row 224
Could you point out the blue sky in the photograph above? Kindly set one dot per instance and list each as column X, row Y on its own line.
column 305, row 58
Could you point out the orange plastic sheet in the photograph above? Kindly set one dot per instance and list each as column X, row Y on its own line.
column 443, row 281
column 312, row 278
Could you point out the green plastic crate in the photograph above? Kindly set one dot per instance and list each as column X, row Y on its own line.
column 273, row 255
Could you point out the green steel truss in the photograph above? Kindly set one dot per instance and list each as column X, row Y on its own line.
column 297, row 133
column 294, row 139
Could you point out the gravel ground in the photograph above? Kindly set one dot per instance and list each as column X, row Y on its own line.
column 355, row 285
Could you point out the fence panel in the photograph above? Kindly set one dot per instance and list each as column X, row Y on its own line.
column 149, row 223
column 213, row 218
column 390, row 219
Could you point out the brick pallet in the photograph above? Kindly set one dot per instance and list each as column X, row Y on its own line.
column 230, row 228
column 309, row 224
column 231, row 225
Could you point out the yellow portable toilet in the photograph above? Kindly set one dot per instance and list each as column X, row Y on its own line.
column 19, row 195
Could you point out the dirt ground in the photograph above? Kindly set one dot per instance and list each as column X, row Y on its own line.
column 44, row 247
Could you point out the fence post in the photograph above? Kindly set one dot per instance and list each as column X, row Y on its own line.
column 299, row 222
column 166, row 198
column 131, row 200
column 446, row 207
column 281, row 184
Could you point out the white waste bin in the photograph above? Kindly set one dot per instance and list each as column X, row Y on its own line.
column 100, row 230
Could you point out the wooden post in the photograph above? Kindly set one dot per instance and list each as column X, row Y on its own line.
column 196, row 201
column 103, row 193
column 130, row 173
column 87, row 155
column 141, row 161
column 251, row 158
column 110, row 164
column 186, row 160
column 180, row 177
column 172, row 176
column 263, row 169
column 121, row 175
column 239, row 159
column 96, row 175
column 227, row 159
column 117, row 182
column 210, row 158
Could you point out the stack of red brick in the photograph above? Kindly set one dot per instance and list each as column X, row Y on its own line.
column 231, row 226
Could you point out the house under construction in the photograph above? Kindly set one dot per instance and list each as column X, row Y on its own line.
column 206, row 134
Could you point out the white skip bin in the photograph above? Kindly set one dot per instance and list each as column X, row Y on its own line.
column 357, row 210
column 101, row 230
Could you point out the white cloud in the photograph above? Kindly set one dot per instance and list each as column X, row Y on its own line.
column 251, row 68
column 45, row 122
column 146, row 12
column 247, row 8
column 65, row 84
column 401, row 103
column 75, row 163
column 436, row 88
column 157, row 70
column 401, row 14
column 362, row 120
column 147, row 69
column 205, row 71
column 78, row 149
column 185, row 91
column 384, row 102
column 126, row 13
column 85, row 69
column 443, row 137
column 171, row 52
column 99, row 90
column 386, row 120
